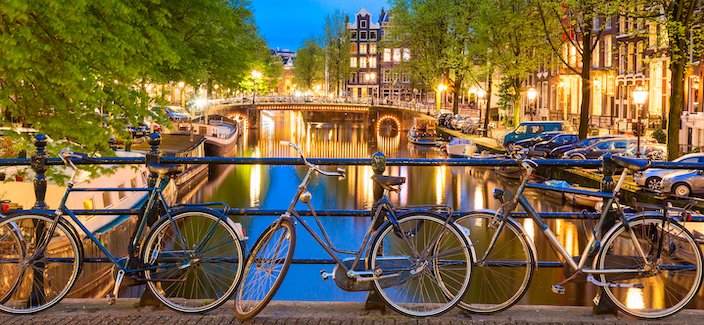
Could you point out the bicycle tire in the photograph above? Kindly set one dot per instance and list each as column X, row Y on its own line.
column 200, row 276
column 57, row 268
column 501, row 281
column 11, row 250
column 678, row 266
column 275, row 248
column 414, row 266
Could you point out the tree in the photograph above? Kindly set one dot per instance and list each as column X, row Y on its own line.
column 80, row 70
column 570, row 25
column 310, row 65
column 336, row 42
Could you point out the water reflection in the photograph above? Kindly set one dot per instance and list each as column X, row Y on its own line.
column 351, row 135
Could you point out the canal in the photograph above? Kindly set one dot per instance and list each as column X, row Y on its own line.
column 345, row 135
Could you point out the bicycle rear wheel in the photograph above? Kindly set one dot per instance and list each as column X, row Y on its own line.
column 43, row 281
column 199, row 257
column 501, row 280
column 265, row 269
column 423, row 266
column 676, row 273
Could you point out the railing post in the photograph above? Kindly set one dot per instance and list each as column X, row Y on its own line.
column 378, row 166
column 602, row 305
column 39, row 166
column 38, row 162
column 152, row 157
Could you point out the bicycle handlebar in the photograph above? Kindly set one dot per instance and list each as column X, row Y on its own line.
column 341, row 173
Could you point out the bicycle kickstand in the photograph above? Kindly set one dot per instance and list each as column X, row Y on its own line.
column 112, row 297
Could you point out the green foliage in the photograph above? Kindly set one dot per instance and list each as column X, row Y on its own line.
column 336, row 42
column 659, row 135
column 310, row 65
column 79, row 70
column 507, row 96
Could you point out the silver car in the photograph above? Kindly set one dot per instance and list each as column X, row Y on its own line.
column 683, row 183
column 651, row 178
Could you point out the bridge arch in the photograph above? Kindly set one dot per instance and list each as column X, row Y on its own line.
column 391, row 118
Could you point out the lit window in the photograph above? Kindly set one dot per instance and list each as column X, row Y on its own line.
column 372, row 48
column 607, row 50
column 88, row 204
column 363, row 48
column 397, row 54
column 363, row 62
column 406, row 54
column 387, row 55
column 353, row 62
column 353, row 47
column 372, row 62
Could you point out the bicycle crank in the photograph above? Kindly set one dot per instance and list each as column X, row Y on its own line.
column 598, row 283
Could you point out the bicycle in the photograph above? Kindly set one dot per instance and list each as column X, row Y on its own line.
column 406, row 258
column 189, row 259
column 648, row 264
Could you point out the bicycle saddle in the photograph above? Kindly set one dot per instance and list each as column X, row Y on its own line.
column 388, row 182
column 634, row 164
column 165, row 170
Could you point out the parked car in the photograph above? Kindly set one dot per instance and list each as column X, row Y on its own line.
column 613, row 146
column 651, row 151
column 460, row 124
column 527, row 130
column 651, row 178
column 177, row 113
column 543, row 148
column 472, row 125
column 683, row 183
column 453, row 121
column 527, row 143
column 442, row 118
column 557, row 152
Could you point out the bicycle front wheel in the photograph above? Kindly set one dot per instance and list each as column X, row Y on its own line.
column 423, row 265
column 36, row 283
column 265, row 269
column 199, row 258
column 665, row 286
column 502, row 278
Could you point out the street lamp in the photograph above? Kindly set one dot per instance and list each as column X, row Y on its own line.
column 481, row 95
column 370, row 77
column 441, row 88
column 531, row 97
column 256, row 75
column 183, row 96
column 639, row 96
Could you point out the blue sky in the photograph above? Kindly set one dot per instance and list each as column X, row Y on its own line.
column 285, row 24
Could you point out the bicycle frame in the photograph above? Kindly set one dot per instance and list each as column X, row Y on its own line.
column 518, row 198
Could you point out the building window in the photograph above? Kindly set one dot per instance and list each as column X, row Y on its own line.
column 387, row 55
column 353, row 62
column 406, row 79
column 607, row 23
column 596, row 90
column 595, row 55
column 107, row 199
column 621, row 59
column 639, row 57
column 372, row 48
column 353, row 78
column 121, row 194
column 607, row 50
column 656, row 74
column 595, row 23
column 630, row 58
column 353, row 47
column 397, row 55
column 621, row 25
column 395, row 77
column 406, row 54
column 372, row 35
column 372, row 62
column 363, row 62
column 363, row 35
column 353, row 34
column 363, row 48
column 363, row 24
column 386, row 75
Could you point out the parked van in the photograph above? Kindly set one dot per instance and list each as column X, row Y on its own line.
column 527, row 130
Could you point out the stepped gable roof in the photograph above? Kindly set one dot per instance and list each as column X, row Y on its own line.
column 363, row 12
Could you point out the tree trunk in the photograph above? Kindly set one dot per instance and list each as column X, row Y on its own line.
column 488, row 103
column 517, row 102
column 586, row 104
column 677, row 66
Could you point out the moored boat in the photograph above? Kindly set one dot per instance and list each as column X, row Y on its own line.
column 220, row 133
column 423, row 131
column 576, row 199
column 460, row 148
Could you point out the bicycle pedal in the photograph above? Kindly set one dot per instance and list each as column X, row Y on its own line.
column 558, row 289
column 111, row 299
column 326, row 275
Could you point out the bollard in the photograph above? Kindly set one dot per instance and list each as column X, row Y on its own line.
column 38, row 162
column 378, row 166
column 603, row 306
column 152, row 157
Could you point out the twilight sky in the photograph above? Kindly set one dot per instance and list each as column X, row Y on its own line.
column 285, row 24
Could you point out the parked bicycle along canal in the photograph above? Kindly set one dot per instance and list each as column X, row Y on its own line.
column 341, row 135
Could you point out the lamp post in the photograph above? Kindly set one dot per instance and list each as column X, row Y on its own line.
column 441, row 88
column 370, row 77
column 183, row 96
column 481, row 95
column 531, row 98
column 639, row 96
column 256, row 75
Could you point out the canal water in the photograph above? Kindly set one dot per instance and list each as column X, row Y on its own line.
column 348, row 135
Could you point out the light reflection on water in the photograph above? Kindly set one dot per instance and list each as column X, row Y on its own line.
column 351, row 136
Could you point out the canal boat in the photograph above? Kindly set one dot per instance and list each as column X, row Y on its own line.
column 423, row 131
column 221, row 134
column 579, row 200
column 460, row 148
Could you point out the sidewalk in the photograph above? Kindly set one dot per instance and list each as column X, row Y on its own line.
column 97, row 311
